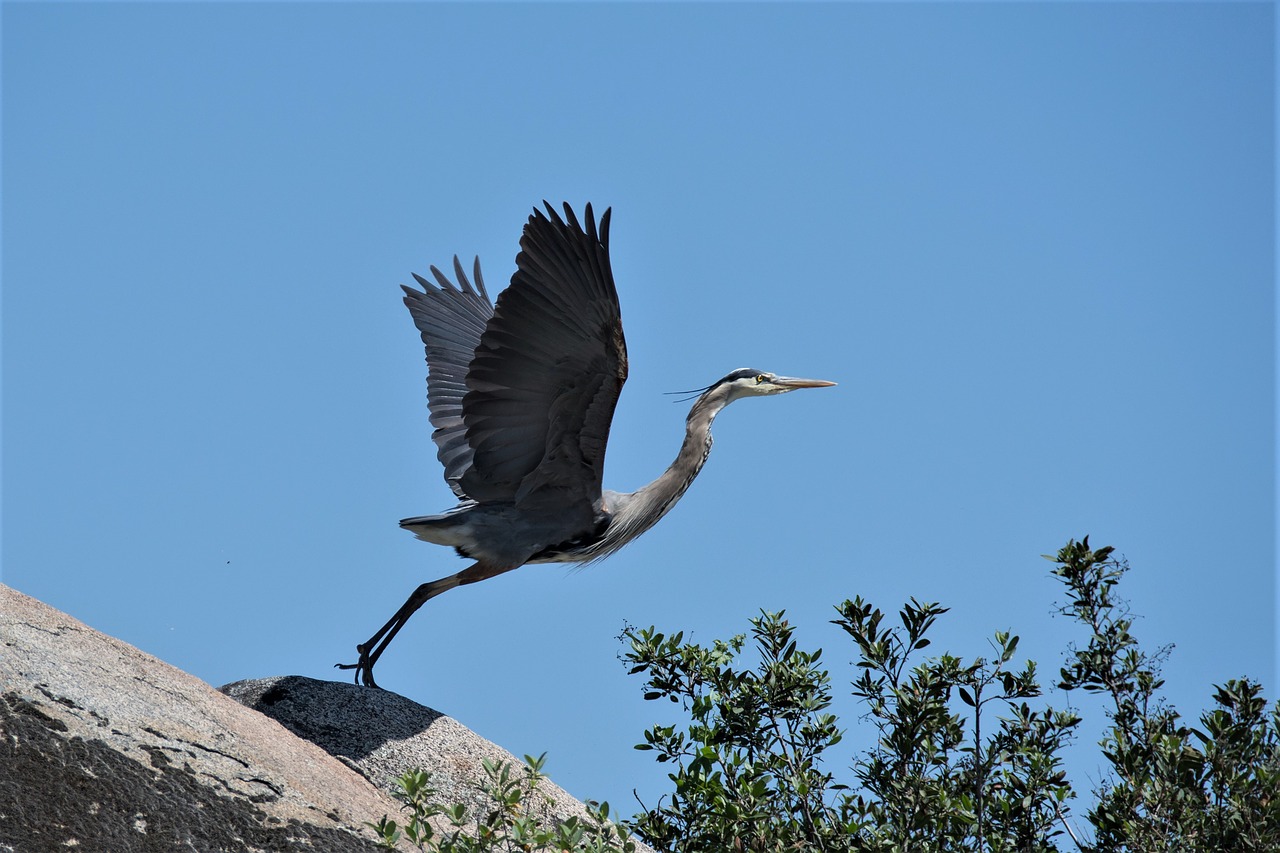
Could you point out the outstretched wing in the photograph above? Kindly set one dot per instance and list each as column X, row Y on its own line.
column 548, row 370
column 451, row 319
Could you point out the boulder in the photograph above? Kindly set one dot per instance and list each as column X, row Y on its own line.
column 106, row 748
column 380, row 735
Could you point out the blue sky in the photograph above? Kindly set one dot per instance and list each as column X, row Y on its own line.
column 1033, row 244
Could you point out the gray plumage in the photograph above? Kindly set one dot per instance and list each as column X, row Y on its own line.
column 522, row 394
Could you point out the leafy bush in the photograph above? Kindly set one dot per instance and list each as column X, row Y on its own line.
column 519, row 819
column 1173, row 787
column 966, row 758
column 963, row 760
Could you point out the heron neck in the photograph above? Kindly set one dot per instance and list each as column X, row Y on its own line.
column 652, row 502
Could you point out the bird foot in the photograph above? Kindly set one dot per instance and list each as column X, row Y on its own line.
column 363, row 667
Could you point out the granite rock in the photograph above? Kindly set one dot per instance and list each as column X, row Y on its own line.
column 106, row 748
column 381, row 734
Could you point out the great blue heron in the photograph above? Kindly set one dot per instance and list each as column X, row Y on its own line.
column 521, row 396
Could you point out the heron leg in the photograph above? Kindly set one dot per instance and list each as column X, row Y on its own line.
column 372, row 649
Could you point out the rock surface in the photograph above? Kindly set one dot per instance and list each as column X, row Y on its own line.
column 381, row 734
column 106, row 748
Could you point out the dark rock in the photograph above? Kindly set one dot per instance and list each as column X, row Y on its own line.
column 381, row 734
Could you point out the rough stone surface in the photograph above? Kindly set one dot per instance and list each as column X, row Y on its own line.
column 106, row 748
column 381, row 734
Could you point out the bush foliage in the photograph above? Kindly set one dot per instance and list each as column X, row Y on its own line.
column 967, row 755
column 518, row 818
column 966, row 758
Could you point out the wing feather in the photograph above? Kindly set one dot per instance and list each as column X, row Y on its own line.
column 451, row 319
column 547, row 370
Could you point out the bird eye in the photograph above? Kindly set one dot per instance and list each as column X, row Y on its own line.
column 760, row 378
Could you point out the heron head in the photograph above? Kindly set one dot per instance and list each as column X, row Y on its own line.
column 746, row 382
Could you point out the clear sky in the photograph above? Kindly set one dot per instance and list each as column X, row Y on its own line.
column 1033, row 243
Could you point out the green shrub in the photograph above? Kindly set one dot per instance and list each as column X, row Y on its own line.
column 519, row 818
column 967, row 757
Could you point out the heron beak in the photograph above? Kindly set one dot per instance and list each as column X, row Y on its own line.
column 791, row 383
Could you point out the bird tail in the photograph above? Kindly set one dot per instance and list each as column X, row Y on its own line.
column 439, row 529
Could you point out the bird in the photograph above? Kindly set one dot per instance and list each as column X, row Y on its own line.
column 521, row 393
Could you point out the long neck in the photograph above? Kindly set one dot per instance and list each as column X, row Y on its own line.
column 646, row 506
